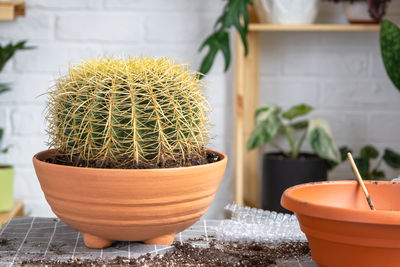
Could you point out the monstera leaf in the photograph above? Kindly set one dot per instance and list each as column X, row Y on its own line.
column 390, row 48
column 321, row 140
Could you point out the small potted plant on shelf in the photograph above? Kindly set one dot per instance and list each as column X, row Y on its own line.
column 129, row 160
column 364, row 11
column 287, row 168
column 6, row 171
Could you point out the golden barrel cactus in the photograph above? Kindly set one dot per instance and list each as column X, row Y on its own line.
column 128, row 113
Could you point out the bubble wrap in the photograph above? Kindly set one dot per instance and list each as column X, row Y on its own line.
column 256, row 225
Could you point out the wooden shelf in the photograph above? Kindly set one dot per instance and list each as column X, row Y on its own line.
column 17, row 211
column 258, row 27
column 11, row 9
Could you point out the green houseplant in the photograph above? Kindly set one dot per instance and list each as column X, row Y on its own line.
column 367, row 170
column 6, row 171
column 234, row 14
column 287, row 168
column 129, row 159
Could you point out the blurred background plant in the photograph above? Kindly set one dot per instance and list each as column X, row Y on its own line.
column 6, row 53
column 272, row 121
column 365, row 157
column 234, row 14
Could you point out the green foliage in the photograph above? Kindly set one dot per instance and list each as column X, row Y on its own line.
column 271, row 121
column 391, row 158
column 6, row 53
column 234, row 14
column 321, row 140
column 364, row 165
column 267, row 127
column 124, row 112
column 390, row 49
column 297, row 111
column 369, row 152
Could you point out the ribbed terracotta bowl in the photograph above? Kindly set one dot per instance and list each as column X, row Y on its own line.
column 340, row 227
column 149, row 205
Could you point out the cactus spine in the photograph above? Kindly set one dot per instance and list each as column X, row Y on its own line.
column 134, row 111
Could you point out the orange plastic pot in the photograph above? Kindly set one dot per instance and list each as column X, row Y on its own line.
column 149, row 205
column 340, row 227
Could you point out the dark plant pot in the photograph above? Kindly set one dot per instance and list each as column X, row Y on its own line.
column 280, row 173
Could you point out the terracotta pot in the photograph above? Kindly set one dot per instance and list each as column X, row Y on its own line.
column 149, row 205
column 6, row 188
column 340, row 227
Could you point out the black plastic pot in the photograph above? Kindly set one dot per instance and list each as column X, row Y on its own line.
column 280, row 173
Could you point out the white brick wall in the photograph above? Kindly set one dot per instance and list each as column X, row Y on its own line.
column 341, row 74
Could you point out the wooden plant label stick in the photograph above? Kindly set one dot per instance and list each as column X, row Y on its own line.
column 360, row 181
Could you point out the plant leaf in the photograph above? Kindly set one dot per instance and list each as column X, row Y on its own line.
column 1, row 133
column 4, row 150
column 362, row 166
column 343, row 152
column 378, row 174
column 299, row 125
column 267, row 126
column 7, row 51
column 391, row 158
column 390, row 49
column 321, row 140
column 207, row 62
column 369, row 152
column 4, row 87
column 234, row 14
column 226, row 49
column 296, row 111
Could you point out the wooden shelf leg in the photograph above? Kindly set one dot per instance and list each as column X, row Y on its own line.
column 246, row 183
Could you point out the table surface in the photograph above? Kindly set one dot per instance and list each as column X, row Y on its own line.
column 34, row 237
column 17, row 211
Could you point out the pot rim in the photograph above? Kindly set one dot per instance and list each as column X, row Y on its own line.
column 35, row 159
column 6, row 167
column 302, row 207
column 314, row 156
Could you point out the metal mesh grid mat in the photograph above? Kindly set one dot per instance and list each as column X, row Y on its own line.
column 48, row 238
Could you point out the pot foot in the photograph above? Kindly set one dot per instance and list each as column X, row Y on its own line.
column 161, row 240
column 92, row 241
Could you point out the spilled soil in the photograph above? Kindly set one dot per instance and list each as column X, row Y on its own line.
column 184, row 254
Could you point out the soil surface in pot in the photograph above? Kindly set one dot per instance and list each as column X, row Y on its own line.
column 77, row 162
column 184, row 254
